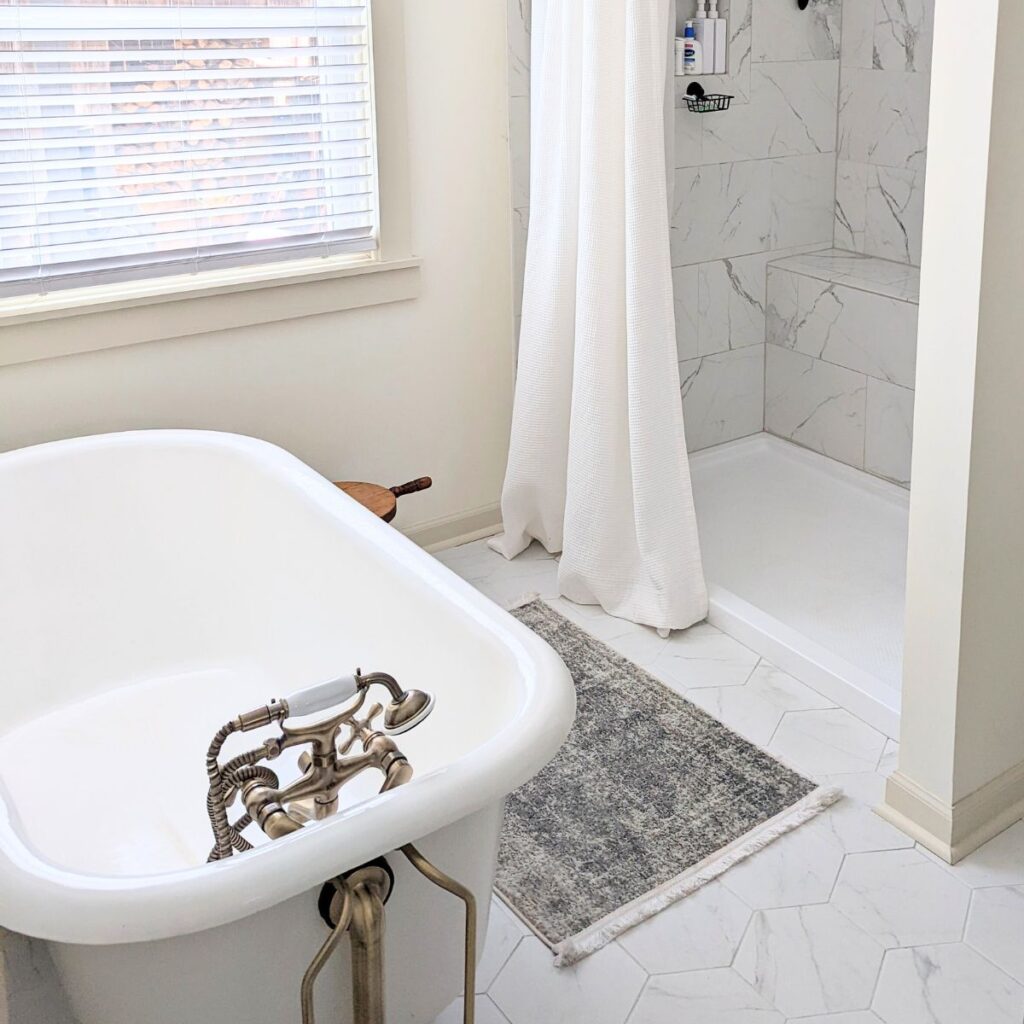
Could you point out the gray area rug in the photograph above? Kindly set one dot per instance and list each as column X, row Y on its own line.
column 649, row 799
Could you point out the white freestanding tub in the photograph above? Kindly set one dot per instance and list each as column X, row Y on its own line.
column 156, row 584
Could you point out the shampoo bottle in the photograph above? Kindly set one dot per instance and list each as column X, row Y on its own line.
column 692, row 57
column 703, row 32
column 715, row 59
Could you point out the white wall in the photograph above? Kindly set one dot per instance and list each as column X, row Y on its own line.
column 961, row 773
column 383, row 393
column 990, row 708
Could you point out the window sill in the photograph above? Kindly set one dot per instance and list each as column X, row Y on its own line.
column 111, row 316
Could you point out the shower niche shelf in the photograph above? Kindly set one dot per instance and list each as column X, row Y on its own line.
column 735, row 81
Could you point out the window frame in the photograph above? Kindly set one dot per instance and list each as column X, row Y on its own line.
column 96, row 317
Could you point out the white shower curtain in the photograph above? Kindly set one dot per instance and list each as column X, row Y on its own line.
column 597, row 466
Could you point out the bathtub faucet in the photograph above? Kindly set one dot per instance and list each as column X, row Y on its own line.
column 354, row 901
column 326, row 764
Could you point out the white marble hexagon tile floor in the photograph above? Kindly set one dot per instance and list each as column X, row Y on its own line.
column 844, row 921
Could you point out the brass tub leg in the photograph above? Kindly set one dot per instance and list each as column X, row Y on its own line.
column 439, row 878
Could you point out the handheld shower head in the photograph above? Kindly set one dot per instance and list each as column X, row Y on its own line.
column 407, row 708
column 407, row 711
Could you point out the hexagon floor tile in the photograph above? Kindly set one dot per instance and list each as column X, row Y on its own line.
column 798, row 868
column 701, row 931
column 828, row 741
column 808, row 960
column 741, row 709
column 949, row 984
column 504, row 931
column 702, row 997
column 703, row 656
column 901, row 898
column 856, row 827
column 995, row 927
column 598, row 990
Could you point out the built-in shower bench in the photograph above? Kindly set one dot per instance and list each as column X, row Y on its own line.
column 839, row 373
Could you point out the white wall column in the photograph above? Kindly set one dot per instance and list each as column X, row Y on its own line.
column 961, row 772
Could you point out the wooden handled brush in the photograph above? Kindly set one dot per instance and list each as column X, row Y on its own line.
column 382, row 501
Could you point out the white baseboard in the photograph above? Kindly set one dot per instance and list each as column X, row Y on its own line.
column 922, row 816
column 461, row 528
column 988, row 811
column 954, row 831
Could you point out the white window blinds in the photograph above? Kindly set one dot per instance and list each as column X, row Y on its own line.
column 162, row 136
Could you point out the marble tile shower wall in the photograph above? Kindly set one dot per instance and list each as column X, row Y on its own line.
column 883, row 122
column 841, row 357
column 751, row 185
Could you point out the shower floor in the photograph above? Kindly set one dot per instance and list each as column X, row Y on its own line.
column 806, row 564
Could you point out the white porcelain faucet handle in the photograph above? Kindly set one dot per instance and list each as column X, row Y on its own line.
column 323, row 695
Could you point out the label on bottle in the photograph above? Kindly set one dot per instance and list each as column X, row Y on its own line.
column 690, row 57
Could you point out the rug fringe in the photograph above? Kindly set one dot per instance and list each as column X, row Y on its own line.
column 598, row 935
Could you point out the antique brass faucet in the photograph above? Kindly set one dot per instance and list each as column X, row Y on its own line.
column 354, row 901
column 325, row 768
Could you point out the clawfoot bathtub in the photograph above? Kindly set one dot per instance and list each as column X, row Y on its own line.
column 156, row 584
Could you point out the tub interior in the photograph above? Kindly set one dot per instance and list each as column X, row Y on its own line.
column 153, row 591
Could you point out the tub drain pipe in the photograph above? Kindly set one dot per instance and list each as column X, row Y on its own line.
column 369, row 888
column 326, row 950
column 357, row 906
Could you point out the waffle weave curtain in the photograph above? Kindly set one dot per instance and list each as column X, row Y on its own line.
column 597, row 465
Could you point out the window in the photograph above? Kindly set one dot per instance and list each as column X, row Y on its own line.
column 162, row 137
